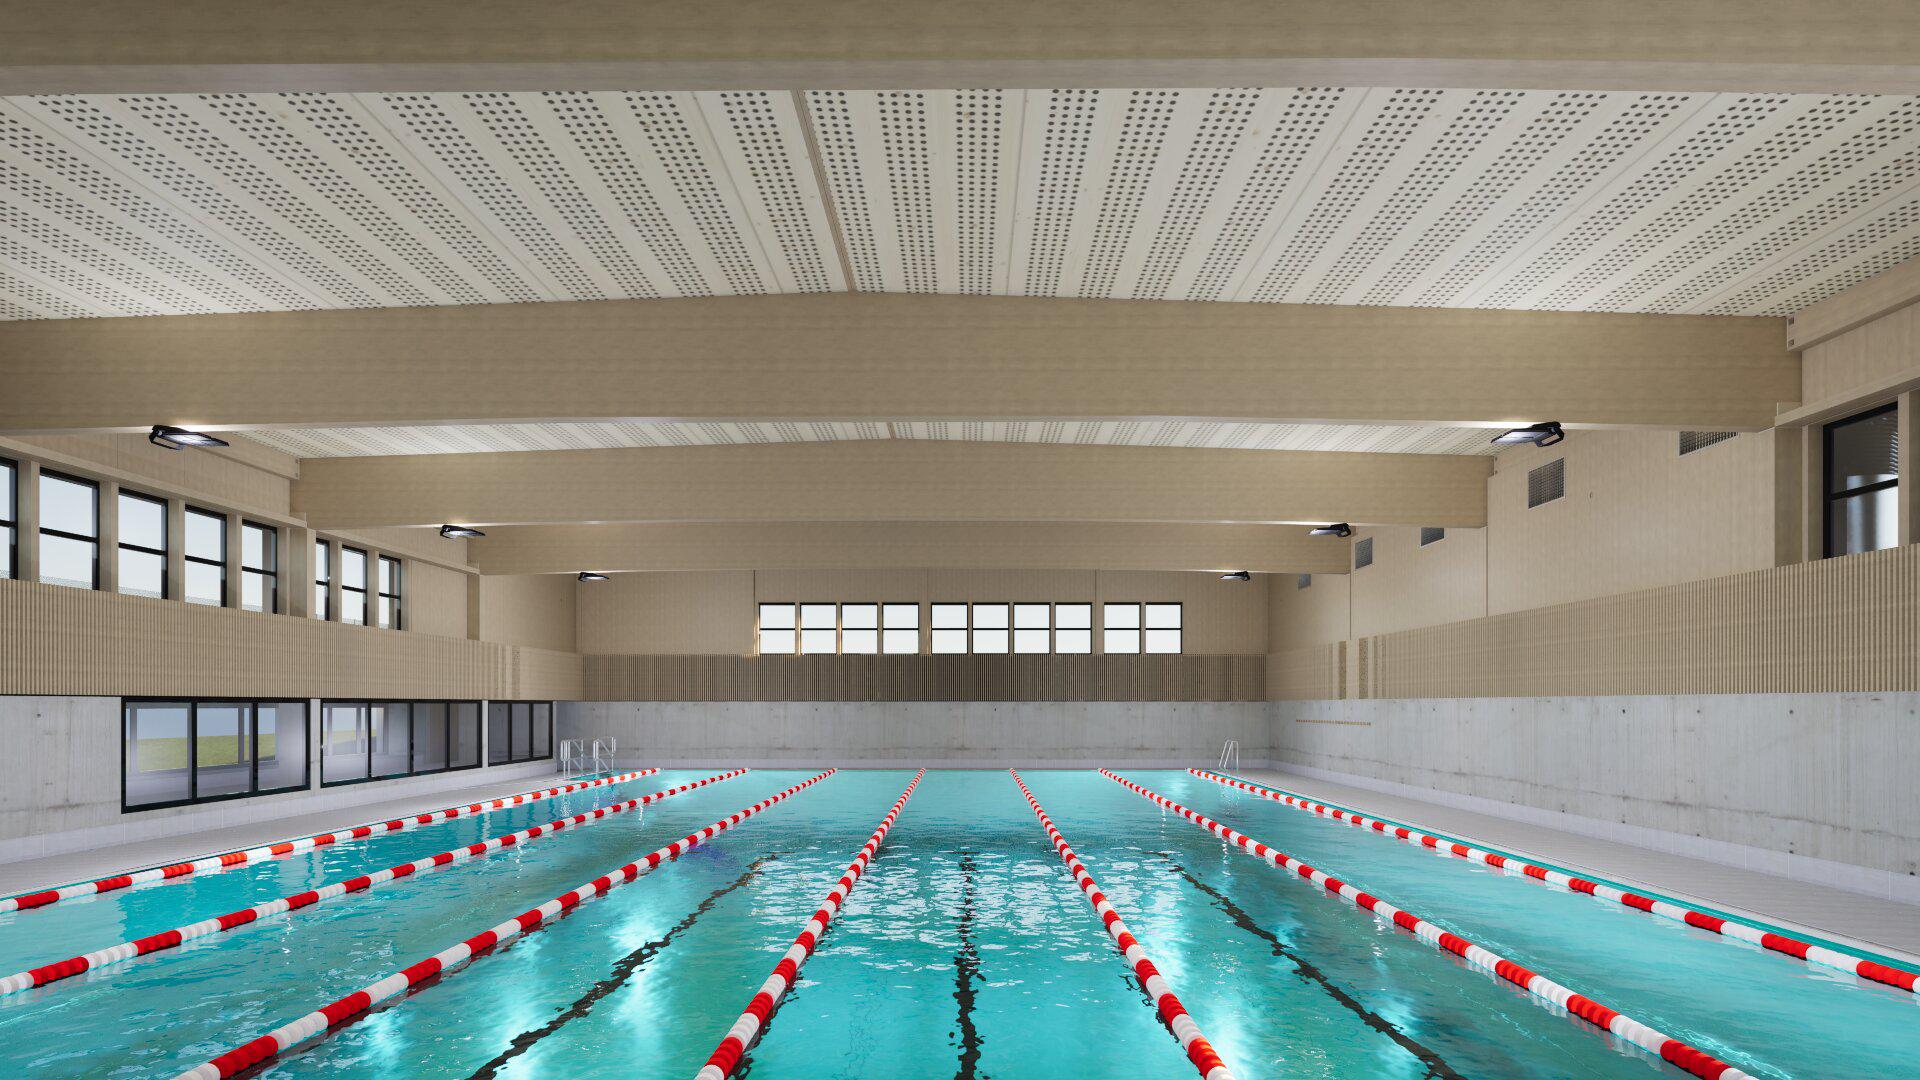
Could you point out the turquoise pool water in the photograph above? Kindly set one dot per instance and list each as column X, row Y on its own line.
column 966, row 951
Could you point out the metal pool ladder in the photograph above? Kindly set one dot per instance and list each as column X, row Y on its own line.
column 578, row 756
column 1230, row 756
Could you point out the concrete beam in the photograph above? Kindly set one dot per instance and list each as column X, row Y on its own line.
column 566, row 549
column 894, row 481
column 114, row 46
column 895, row 357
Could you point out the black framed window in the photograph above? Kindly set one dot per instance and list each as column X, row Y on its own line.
column 179, row 751
column 819, row 628
column 383, row 740
column 990, row 628
column 1073, row 628
column 777, row 632
column 69, row 531
column 322, row 577
column 1862, row 482
column 1163, row 628
column 143, row 545
column 389, row 612
column 1032, row 628
column 860, row 628
column 259, row 568
column 206, row 555
column 948, row 623
column 353, row 586
column 1120, row 626
column 9, row 519
column 519, row 731
column 900, row 628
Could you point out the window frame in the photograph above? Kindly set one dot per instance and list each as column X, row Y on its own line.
column 323, row 579
column 1146, row 627
column 380, row 581
column 1014, row 628
column 800, row 628
column 876, row 630
column 413, row 741
column 10, row 516
column 186, row 553
column 1088, row 629
column 1828, row 496
column 552, row 720
column 916, row 628
column 760, row 629
column 193, row 750
column 965, row 630
column 365, row 570
column 120, row 542
column 974, row 628
column 43, row 531
column 269, row 546
column 1139, row 627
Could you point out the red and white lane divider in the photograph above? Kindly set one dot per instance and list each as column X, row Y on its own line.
column 1688, row 1057
column 277, row 1041
column 740, row 1036
column 303, row 843
column 1862, row 966
column 1172, row 1013
column 168, row 939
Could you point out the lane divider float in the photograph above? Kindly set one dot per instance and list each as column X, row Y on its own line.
column 1862, row 966
column 277, row 1041
column 1691, row 1058
column 168, row 939
column 225, row 860
column 727, row 1055
column 1172, row 1013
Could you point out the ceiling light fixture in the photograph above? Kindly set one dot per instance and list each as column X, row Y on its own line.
column 1341, row 529
column 460, row 532
column 1237, row 575
column 175, row 438
column 588, row 575
column 1538, row 434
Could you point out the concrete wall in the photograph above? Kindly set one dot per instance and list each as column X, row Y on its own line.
column 1764, row 780
column 939, row 734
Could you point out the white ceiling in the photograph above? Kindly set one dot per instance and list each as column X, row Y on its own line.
column 474, row 438
column 1720, row 203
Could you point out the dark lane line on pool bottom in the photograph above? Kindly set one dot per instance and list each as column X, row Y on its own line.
column 966, row 968
column 623, row 971
column 1436, row 1065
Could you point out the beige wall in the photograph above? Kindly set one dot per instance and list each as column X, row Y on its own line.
column 1409, row 585
column 1880, row 350
column 434, row 600
column 536, row 610
column 713, row 612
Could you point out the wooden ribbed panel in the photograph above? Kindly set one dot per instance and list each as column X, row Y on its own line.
column 1850, row 624
column 1307, row 673
column 66, row 641
column 926, row 678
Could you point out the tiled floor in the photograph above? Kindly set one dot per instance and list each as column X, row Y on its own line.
column 1887, row 925
column 30, row 874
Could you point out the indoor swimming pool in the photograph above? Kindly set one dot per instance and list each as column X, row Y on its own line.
column 966, row 949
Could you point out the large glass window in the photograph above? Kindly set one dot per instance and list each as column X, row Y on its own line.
column 1073, row 628
column 900, row 631
column 353, row 586
column 1121, row 623
column 259, row 567
column 860, row 628
column 778, row 636
column 69, row 531
column 389, row 593
column 375, row 740
column 990, row 628
column 143, row 545
column 1032, row 628
column 322, row 577
column 819, row 629
column 9, row 519
column 519, row 731
column 177, row 752
column 1863, row 482
column 949, row 624
column 1163, row 628
column 206, row 557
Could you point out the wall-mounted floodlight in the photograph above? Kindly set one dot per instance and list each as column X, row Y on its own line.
column 175, row 438
column 460, row 532
column 1538, row 434
column 588, row 575
column 1237, row 575
column 1341, row 529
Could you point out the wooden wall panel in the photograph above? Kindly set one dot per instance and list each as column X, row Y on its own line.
column 1408, row 585
column 1861, row 358
column 536, row 610
column 434, row 600
column 692, row 612
column 926, row 678
column 1848, row 624
column 246, row 477
column 68, row 641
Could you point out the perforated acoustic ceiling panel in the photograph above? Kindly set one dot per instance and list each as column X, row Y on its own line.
column 1610, row 201
column 471, row 438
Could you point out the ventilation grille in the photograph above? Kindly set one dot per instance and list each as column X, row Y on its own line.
column 1431, row 534
column 1363, row 553
column 1700, row 440
column 1547, row 483
column 1303, row 581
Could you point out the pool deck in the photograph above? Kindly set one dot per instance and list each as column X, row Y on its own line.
column 1886, row 926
